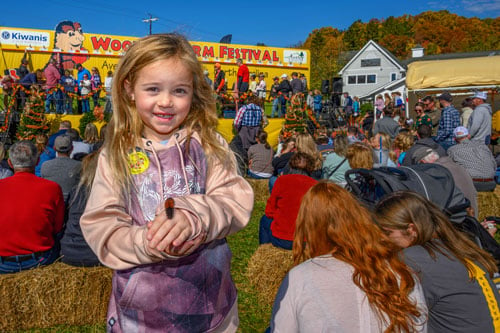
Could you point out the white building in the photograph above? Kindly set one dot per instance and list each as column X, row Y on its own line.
column 373, row 70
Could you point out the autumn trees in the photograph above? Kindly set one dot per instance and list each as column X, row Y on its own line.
column 437, row 31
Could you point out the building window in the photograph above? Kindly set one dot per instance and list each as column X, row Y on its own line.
column 351, row 79
column 371, row 78
column 361, row 79
column 394, row 76
column 370, row 62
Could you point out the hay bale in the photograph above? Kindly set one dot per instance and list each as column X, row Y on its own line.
column 260, row 188
column 488, row 203
column 266, row 269
column 52, row 295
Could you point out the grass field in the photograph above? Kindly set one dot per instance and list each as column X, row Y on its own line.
column 254, row 317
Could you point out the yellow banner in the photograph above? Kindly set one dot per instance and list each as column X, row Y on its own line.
column 70, row 46
column 225, row 127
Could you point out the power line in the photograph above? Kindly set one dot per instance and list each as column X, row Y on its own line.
column 150, row 20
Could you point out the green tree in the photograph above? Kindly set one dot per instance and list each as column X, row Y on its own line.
column 33, row 120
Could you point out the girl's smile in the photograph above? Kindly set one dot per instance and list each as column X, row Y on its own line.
column 163, row 94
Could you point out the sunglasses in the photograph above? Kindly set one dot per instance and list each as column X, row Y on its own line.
column 419, row 110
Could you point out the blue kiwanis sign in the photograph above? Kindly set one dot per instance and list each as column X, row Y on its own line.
column 26, row 38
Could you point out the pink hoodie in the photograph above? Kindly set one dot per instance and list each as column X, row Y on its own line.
column 147, row 285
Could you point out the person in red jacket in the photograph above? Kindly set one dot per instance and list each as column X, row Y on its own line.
column 30, row 222
column 277, row 226
column 242, row 76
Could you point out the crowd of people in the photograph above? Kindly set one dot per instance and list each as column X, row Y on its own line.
column 156, row 200
column 64, row 92
column 44, row 187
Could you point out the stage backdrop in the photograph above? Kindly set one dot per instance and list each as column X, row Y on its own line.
column 70, row 46
column 225, row 127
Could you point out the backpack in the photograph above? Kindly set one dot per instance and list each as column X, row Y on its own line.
column 432, row 181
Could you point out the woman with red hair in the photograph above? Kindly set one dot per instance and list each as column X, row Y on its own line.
column 347, row 277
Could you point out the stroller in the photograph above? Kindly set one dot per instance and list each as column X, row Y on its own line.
column 432, row 181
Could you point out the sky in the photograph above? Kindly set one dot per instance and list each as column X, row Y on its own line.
column 274, row 23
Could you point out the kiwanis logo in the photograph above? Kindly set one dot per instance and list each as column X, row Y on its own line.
column 5, row 35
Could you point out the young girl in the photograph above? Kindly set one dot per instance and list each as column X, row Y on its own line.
column 96, row 85
column 455, row 273
column 347, row 277
column 355, row 106
column 163, row 198
column 318, row 103
column 85, row 89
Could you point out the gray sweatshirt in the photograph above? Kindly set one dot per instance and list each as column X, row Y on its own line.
column 479, row 125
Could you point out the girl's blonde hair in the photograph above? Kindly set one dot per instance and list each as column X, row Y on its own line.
column 360, row 155
column 91, row 135
column 41, row 141
column 126, row 127
column 403, row 141
column 305, row 143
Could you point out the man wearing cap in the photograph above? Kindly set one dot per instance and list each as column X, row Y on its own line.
column 450, row 119
column 476, row 158
column 424, row 135
column 219, row 79
column 62, row 169
column 479, row 125
column 460, row 176
column 242, row 77
column 32, row 213
column 274, row 95
column 284, row 90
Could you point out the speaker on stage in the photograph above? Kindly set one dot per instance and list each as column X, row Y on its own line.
column 325, row 87
column 337, row 85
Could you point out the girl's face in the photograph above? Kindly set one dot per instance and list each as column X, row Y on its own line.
column 402, row 238
column 163, row 94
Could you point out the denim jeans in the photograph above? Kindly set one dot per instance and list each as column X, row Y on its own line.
column 272, row 180
column 254, row 176
column 265, row 235
column 276, row 103
column 46, row 258
column 68, row 104
column 85, row 105
column 283, row 106
column 57, row 97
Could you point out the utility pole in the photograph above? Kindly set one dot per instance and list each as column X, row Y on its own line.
column 150, row 20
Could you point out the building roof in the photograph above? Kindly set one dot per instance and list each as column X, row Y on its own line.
column 447, row 56
column 382, row 50
column 393, row 85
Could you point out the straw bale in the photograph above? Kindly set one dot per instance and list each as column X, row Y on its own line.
column 488, row 203
column 266, row 269
column 260, row 188
column 52, row 295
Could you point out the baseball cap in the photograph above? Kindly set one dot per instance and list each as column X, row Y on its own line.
column 284, row 76
column 460, row 132
column 420, row 153
column 480, row 94
column 63, row 144
column 446, row 96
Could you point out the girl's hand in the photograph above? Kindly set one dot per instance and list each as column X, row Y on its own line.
column 166, row 234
